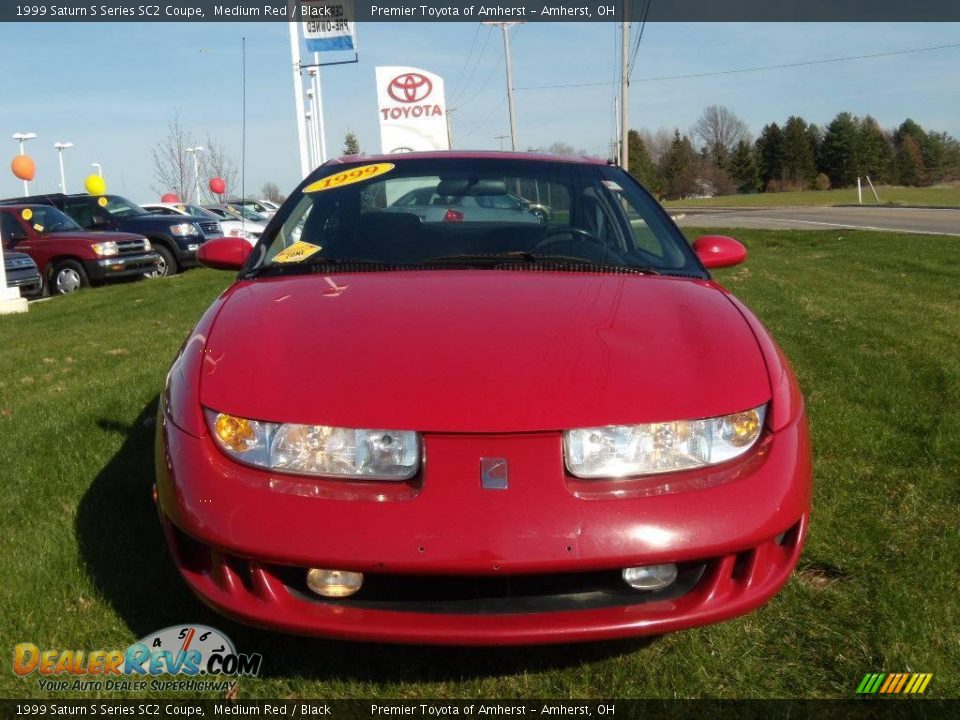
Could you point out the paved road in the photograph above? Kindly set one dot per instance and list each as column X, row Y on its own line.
column 914, row 220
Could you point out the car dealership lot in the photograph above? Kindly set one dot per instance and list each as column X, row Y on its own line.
column 870, row 324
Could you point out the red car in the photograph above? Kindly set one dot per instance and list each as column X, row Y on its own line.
column 480, row 432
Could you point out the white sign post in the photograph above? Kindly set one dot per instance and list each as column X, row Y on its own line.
column 412, row 109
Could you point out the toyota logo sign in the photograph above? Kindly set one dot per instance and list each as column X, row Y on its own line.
column 410, row 88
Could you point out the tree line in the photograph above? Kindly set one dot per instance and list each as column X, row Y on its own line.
column 718, row 156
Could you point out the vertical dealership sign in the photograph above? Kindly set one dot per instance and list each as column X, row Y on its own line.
column 328, row 25
column 412, row 108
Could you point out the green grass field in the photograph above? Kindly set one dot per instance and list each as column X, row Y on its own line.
column 873, row 329
column 940, row 195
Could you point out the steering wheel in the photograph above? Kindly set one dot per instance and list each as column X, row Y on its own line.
column 549, row 240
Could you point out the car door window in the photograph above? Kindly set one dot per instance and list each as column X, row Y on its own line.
column 80, row 211
column 9, row 228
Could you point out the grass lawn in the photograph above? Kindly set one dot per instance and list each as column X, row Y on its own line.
column 871, row 323
column 945, row 195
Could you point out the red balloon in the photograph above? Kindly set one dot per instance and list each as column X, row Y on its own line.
column 170, row 198
column 23, row 167
column 218, row 186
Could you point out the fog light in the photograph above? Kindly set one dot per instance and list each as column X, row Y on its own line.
column 333, row 583
column 650, row 577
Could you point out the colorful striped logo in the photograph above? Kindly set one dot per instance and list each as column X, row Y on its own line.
column 894, row 683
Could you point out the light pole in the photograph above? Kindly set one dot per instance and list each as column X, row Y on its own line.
column 195, row 151
column 60, row 146
column 505, row 27
column 99, row 168
column 22, row 138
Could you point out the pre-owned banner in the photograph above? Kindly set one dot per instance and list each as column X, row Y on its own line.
column 330, row 27
column 412, row 108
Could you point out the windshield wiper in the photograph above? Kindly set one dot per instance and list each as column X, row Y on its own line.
column 523, row 256
column 319, row 264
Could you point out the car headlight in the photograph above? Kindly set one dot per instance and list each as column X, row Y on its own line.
column 624, row 450
column 317, row 449
column 106, row 249
column 147, row 245
column 184, row 230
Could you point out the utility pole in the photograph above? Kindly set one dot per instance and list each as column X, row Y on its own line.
column 624, row 90
column 60, row 147
column 501, row 138
column 195, row 151
column 450, row 128
column 505, row 27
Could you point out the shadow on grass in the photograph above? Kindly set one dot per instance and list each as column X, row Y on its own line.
column 124, row 553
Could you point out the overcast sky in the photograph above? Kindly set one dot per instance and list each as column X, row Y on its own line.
column 111, row 89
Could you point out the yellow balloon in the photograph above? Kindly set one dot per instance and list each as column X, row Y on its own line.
column 95, row 185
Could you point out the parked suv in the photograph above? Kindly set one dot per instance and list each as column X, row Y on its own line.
column 68, row 256
column 175, row 240
column 22, row 273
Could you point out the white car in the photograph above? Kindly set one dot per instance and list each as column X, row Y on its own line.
column 232, row 227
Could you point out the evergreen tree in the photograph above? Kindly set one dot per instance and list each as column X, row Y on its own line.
column 769, row 148
column 743, row 167
column 679, row 168
column 816, row 142
column 351, row 145
column 876, row 153
column 641, row 166
column 841, row 153
column 910, row 162
column 797, row 156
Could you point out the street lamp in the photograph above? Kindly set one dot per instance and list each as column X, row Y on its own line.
column 22, row 138
column 195, row 151
column 60, row 147
column 99, row 168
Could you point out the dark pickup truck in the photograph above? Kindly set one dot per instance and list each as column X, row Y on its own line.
column 21, row 272
column 175, row 240
column 68, row 256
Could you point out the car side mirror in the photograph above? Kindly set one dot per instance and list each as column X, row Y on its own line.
column 226, row 253
column 17, row 236
column 719, row 251
column 98, row 221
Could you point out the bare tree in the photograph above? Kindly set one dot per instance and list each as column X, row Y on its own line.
column 720, row 130
column 271, row 191
column 172, row 164
column 657, row 143
column 216, row 162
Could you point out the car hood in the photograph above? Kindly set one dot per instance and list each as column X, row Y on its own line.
column 480, row 351
column 93, row 235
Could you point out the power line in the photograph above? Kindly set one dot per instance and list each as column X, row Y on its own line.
column 636, row 47
column 482, row 124
column 750, row 69
column 466, row 62
column 473, row 70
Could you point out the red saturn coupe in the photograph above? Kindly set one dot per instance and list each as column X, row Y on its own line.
column 429, row 412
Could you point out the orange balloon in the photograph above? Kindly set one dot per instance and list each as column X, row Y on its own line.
column 23, row 167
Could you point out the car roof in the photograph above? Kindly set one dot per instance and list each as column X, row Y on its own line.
column 470, row 155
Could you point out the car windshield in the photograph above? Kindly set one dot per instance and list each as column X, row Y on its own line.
column 52, row 220
column 475, row 212
column 246, row 213
column 196, row 211
column 121, row 207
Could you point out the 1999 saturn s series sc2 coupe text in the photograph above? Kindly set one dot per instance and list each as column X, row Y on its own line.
column 490, row 431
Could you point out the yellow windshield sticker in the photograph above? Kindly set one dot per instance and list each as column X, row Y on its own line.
column 349, row 177
column 26, row 214
column 38, row 227
column 295, row 253
column 102, row 202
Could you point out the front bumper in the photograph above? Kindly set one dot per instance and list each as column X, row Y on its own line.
column 120, row 266
column 243, row 538
column 27, row 279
